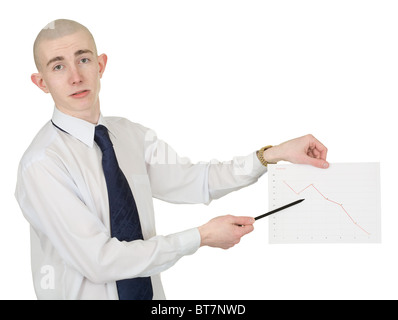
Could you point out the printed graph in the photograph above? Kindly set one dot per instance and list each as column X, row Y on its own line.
column 342, row 203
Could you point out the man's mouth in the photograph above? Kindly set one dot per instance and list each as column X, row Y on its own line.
column 80, row 94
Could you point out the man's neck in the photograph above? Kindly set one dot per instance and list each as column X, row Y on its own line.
column 90, row 115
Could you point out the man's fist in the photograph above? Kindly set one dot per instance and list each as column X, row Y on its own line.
column 226, row 231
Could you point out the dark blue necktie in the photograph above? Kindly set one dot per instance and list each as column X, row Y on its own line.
column 125, row 222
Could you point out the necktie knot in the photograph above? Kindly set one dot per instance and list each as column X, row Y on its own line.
column 101, row 137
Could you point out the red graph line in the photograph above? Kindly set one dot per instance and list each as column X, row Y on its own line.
column 339, row 204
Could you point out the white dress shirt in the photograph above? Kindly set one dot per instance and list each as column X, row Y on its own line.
column 62, row 192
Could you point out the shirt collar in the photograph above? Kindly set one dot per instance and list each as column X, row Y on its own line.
column 78, row 128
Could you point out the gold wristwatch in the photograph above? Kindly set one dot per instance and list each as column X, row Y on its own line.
column 260, row 156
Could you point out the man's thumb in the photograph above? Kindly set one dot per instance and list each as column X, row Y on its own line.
column 319, row 163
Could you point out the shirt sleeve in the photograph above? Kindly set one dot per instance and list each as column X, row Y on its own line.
column 50, row 201
column 178, row 180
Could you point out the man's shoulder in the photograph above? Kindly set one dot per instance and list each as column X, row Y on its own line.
column 39, row 145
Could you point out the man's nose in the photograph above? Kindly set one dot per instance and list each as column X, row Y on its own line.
column 75, row 76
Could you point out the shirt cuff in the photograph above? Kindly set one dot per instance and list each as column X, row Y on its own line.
column 258, row 168
column 189, row 241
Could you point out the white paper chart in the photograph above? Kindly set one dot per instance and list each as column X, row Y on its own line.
column 342, row 203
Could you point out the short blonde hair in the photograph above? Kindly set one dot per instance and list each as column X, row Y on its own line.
column 57, row 29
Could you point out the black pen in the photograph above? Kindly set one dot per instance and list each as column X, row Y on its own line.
column 279, row 209
column 276, row 210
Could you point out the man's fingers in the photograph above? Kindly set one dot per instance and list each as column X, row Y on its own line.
column 225, row 231
column 318, row 149
column 319, row 163
column 244, row 225
column 316, row 154
column 242, row 220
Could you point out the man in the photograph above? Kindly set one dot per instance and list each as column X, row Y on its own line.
column 64, row 189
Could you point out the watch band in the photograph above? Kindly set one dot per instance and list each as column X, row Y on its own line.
column 260, row 156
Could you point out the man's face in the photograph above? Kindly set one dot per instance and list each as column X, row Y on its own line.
column 71, row 71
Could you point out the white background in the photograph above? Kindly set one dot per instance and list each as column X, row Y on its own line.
column 216, row 79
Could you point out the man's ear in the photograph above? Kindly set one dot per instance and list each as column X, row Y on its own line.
column 102, row 60
column 38, row 80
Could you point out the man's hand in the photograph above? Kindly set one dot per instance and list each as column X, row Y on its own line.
column 303, row 150
column 226, row 231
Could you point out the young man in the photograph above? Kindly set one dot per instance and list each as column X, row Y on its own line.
column 65, row 192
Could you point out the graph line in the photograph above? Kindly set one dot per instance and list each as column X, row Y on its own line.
column 327, row 199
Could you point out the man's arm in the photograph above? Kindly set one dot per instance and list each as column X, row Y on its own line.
column 50, row 202
column 184, row 182
column 178, row 180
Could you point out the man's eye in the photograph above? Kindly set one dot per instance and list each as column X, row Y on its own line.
column 58, row 67
column 84, row 60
